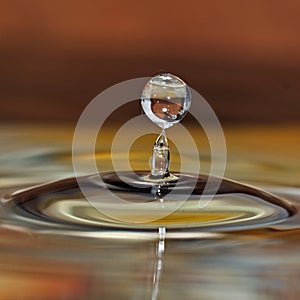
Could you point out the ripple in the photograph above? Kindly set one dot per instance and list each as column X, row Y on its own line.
column 60, row 207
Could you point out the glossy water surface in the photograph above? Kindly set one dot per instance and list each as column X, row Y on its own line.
column 117, row 263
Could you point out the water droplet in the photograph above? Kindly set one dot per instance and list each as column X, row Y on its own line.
column 166, row 99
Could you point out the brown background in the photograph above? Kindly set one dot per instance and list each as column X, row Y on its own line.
column 242, row 56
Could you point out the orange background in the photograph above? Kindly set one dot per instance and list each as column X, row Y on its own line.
column 242, row 56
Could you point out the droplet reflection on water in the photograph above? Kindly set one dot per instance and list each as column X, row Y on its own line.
column 60, row 207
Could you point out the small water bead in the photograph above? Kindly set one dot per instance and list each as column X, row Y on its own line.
column 166, row 99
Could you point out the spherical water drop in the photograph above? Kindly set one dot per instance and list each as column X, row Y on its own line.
column 166, row 99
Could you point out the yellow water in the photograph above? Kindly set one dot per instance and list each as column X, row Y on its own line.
column 256, row 264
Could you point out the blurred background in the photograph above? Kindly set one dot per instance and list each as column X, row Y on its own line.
column 242, row 56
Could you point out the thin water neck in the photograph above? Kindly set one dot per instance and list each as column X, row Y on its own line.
column 160, row 160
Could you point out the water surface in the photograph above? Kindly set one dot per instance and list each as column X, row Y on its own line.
column 257, row 263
